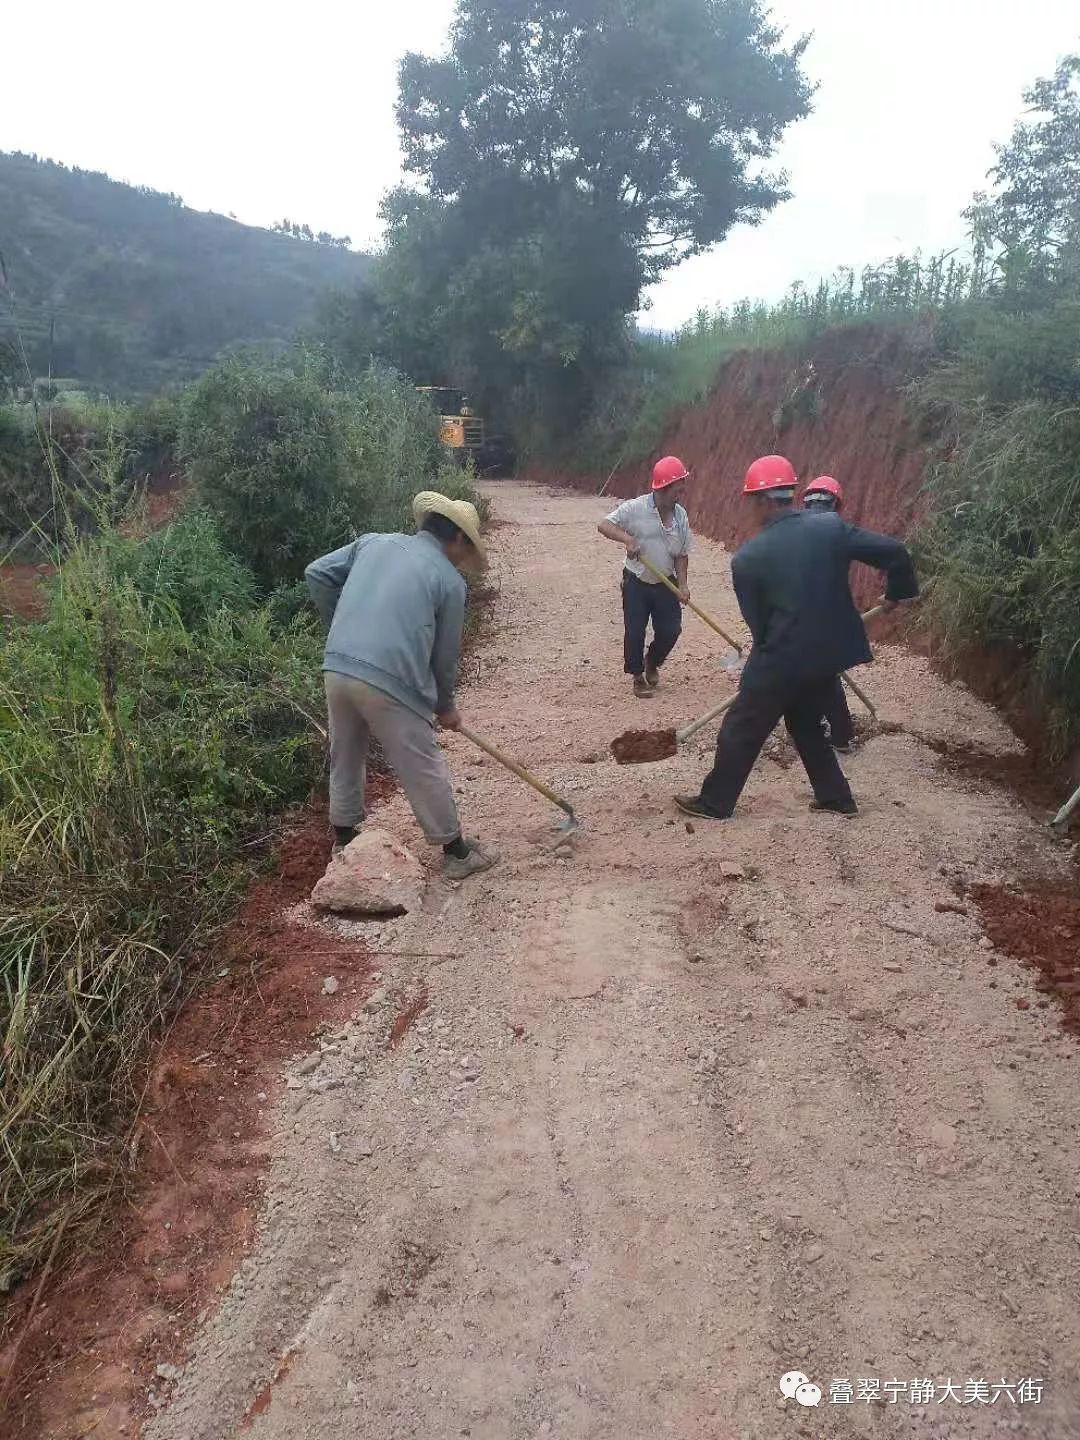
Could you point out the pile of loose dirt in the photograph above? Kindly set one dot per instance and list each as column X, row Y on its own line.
column 641, row 747
column 1041, row 927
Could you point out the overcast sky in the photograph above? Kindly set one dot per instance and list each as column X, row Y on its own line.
column 266, row 110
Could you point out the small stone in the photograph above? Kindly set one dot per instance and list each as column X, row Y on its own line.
column 168, row 1372
column 564, row 852
column 892, row 967
column 363, row 1150
column 334, row 1143
column 746, row 1015
column 375, row 999
column 812, row 1254
column 331, row 985
column 730, row 871
column 471, row 1075
column 985, row 943
column 690, row 829
column 311, row 1064
column 328, row 1082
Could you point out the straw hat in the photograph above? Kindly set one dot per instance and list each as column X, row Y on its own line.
column 461, row 512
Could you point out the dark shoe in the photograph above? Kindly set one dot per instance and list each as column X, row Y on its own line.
column 835, row 807
column 642, row 688
column 652, row 676
column 694, row 805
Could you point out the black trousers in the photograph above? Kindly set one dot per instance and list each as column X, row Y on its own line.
column 836, row 712
column 750, row 722
column 640, row 604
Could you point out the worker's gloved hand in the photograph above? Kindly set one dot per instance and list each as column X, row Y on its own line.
column 684, row 595
column 633, row 549
column 450, row 719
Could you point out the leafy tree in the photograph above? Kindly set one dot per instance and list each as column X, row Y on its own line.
column 655, row 112
column 567, row 153
column 1034, row 212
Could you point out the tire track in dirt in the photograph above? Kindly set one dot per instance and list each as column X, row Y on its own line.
column 684, row 1111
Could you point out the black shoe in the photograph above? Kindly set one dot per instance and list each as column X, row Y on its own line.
column 694, row 805
column 835, row 807
column 642, row 688
column 652, row 676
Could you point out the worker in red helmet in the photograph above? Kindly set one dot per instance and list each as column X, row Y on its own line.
column 657, row 527
column 791, row 581
column 822, row 495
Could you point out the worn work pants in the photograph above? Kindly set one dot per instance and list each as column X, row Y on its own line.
column 750, row 722
column 359, row 712
column 642, row 603
column 836, row 712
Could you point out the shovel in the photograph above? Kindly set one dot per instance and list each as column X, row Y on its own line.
column 701, row 614
column 570, row 824
column 642, row 747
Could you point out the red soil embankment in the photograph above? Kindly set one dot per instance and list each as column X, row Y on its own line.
column 836, row 408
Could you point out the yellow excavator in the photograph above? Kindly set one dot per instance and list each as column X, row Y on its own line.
column 459, row 429
column 464, row 433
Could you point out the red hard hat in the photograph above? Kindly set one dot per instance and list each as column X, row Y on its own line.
column 770, row 472
column 825, row 485
column 666, row 471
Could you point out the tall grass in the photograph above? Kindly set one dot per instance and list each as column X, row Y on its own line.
column 666, row 373
column 1003, row 543
column 150, row 728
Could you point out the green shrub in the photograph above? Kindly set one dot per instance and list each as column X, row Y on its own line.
column 264, row 448
column 291, row 468
column 150, row 727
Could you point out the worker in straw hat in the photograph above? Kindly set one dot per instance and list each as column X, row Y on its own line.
column 395, row 606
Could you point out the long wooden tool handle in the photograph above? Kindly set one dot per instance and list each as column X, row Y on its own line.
column 681, row 736
column 866, row 615
column 860, row 693
column 518, row 770
column 701, row 614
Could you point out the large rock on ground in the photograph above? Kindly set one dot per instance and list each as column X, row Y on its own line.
column 374, row 875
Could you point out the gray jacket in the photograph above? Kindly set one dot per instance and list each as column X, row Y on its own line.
column 395, row 606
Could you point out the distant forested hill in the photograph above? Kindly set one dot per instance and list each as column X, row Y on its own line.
column 140, row 291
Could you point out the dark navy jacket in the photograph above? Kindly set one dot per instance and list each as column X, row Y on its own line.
column 791, row 581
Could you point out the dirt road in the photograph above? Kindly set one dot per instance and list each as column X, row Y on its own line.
column 678, row 1114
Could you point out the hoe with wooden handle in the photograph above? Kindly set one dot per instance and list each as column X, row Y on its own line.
column 701, row 614
column 571, row 822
